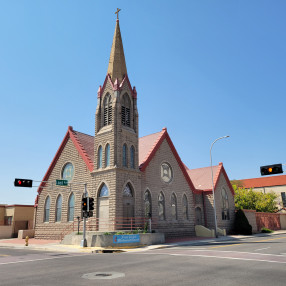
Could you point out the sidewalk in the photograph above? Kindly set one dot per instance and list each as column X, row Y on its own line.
column 54, row 245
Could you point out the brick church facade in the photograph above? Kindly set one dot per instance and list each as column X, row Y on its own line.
column 128, row 177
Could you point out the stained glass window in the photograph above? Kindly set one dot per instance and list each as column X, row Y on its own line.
column 71, row 208
column 47, row 209
column 59, row 209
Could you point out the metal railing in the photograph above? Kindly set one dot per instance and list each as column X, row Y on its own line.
column 109, row 225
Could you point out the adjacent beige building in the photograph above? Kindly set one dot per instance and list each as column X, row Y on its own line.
column 276, row 184
column 130, row 178
column 14, row 218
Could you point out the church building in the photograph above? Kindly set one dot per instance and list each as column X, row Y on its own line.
column 130, row 178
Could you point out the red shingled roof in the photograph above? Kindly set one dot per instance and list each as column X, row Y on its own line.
column 264, row 182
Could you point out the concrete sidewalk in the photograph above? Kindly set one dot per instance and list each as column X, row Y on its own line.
column 54, row 245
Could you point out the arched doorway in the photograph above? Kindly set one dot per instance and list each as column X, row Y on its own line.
column 128, row 206
column 103, row 208
column 199, row 218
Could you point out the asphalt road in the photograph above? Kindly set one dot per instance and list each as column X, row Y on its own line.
column 257, row 261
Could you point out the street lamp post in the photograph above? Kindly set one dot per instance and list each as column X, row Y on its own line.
column 213, row 182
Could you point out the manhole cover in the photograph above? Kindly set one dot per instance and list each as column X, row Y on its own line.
column 103, row 275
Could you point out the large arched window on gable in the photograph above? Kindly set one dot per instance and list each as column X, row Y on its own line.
column 107, row 112
column 59, row 208
column 132, row 157
column 161, row 206
column 71, row 208
column 99, row 157
column 148, row 204
column 107, row 155
column 47, row 209
column 124, row 155
column 225, row 205
column 185, row 208
column 125, row 110
column 174, row 207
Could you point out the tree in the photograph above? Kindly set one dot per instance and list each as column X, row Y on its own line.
column 254, row 200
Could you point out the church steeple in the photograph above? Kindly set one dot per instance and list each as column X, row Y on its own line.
column 117, row 66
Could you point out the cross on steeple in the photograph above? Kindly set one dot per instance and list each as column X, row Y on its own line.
column 117, row 12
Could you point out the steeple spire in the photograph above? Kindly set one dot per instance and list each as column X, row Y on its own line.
column 117, row 66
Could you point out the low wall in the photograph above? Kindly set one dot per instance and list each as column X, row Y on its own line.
column 283, row 221
column 102, row 240
column 202, row 231
column 251, row 216
column 268, row 220
column 27, row 232
column 5, row 231
column 273, row 221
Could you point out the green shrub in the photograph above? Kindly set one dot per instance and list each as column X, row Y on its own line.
column 107, row 233
column 241, row 224
column 266, row 230
column 120, row 232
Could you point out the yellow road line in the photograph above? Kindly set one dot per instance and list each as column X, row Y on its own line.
column 4, row 255
column 234, row 244
column 270, row 239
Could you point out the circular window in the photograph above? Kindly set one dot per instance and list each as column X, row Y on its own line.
column 166, row 173
column 67, row 172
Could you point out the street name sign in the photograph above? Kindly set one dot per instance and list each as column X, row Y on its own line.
column 61, row 182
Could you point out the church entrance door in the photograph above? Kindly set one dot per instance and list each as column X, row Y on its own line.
column 103, row 214
column 128, row 207
column 199, row 219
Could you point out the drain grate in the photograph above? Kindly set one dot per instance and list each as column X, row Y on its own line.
column 103, row 275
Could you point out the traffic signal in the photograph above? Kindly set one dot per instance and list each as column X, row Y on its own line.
column 91, row 204
column 271, row 169
column 26, row 183
column 84, row 204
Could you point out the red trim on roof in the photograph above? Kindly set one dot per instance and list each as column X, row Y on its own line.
column 220, row 171
column 156, row 146
column 70, row 134
column 116, row 86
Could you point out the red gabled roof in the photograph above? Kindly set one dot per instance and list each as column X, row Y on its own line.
column 149, row 145
column 264, row 182
column 201, row 177
column 84, row 145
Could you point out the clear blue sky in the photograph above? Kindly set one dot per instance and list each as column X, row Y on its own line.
column 203, row 69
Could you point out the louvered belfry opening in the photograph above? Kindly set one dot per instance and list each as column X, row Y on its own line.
column 107, row 113
column 125, row 110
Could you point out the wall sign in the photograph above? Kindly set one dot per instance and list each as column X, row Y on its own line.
column 126, row 238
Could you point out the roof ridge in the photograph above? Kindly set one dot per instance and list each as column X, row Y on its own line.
column 83, row 133
column 152, row 134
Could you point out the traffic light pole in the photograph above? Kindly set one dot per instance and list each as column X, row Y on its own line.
column 84, row 242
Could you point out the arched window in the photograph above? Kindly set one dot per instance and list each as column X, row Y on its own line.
column 71, row 208
column 99, row 157
column 124, row 155
column 104, row 192
column 125, row 110
column 127, row 192
column 107, row 155
column 225, row 205
column 148, row 204
column 132, row 157
column 59, row 208
column 185, row 208
column 47, row 209
column 107, row 113
column 174, row 206
column 161, row 206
